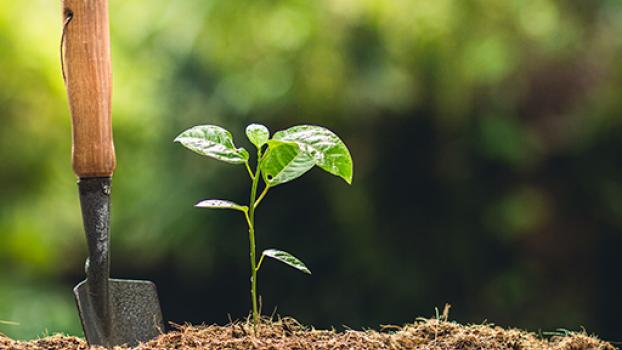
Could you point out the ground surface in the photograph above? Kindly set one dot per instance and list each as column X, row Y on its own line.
column 288, row 334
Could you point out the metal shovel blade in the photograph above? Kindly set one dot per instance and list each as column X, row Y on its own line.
column 134, row 312
column 113, row 311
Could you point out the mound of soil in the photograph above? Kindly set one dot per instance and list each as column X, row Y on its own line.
column 288, row 334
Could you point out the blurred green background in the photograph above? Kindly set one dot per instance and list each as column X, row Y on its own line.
column 486, row 136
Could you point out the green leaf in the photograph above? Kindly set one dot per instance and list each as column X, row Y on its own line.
column 326, row 148
column 286, row 258
column 220, row 204
column 213, row 141
column 257, row 134
column 283, row 162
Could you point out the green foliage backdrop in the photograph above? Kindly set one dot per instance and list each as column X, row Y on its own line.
column 485, row 134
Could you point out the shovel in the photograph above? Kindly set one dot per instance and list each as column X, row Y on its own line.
column 112, row 311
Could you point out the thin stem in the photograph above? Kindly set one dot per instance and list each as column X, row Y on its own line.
column 250, row 172
column 263, row 194
column 259, row 263
column 250, row 219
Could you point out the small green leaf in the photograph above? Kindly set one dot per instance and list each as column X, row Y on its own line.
column 327, row 149
column 286, row 258
column 257, row 134
column 220, row 204
column 283, row 162
column 213, row 141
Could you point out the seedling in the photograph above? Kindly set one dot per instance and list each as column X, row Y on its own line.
column 286, row 156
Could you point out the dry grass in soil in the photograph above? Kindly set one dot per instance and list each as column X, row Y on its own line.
column 288, row 334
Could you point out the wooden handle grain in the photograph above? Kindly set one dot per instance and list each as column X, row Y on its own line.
column 88, row 78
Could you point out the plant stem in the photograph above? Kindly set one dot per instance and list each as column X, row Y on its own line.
column 263, row 194
column 251, row 236
column 260, row 261
column 250, row 172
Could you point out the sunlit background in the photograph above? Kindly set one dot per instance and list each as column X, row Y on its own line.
column 486, row 137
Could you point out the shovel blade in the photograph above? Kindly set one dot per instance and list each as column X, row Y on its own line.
column 135, row 314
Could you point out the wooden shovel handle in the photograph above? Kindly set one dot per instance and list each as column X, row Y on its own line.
column 88, row 78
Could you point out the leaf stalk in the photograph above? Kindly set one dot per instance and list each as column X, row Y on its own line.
column 250, row 172
column 259, row 263
column 262, row 195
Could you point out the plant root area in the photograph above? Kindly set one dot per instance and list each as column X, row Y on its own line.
column 288, row 334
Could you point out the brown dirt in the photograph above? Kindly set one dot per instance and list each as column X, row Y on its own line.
column 288, row 334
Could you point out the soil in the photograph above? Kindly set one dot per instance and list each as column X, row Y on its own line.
column 433, row 334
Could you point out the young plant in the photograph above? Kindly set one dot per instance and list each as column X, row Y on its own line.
column 280, row 159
